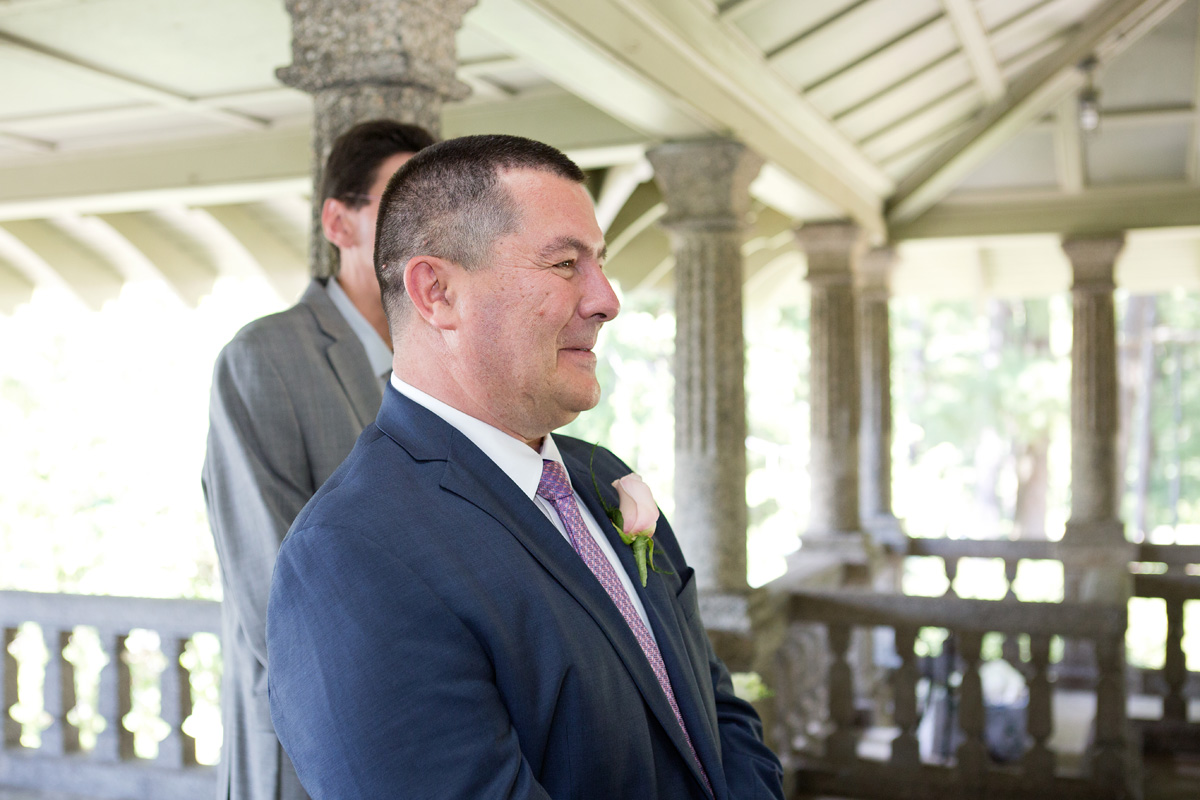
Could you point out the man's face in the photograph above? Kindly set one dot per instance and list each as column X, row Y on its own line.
column 365, row 216
column 532, row 312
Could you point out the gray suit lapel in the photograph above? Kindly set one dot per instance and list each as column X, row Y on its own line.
column 345, row 353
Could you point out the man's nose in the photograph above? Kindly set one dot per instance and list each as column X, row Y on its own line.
column 599, row 299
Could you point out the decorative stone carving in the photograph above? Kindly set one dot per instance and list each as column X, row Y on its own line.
column 706, row 186
column 370, row 59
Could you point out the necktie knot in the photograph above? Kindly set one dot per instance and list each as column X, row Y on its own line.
column 555, row 484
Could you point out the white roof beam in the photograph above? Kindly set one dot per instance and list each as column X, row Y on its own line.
column 1068, row 147
column 235, row 168
column 1112, row 28
column 1193, row 156
column 189, row 275
column 15, row 287
column 1096, row 209
column 619, row 184
column 679, row 55
column 35, row 53
column 81, row 270
column 282, row 266
column 969, row 28
column 26, row 144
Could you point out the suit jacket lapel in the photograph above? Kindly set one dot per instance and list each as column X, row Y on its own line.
column 660, row 611
column 345, row 353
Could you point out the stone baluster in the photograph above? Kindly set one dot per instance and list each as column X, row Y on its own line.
column 841, row 745
column 114, row 700
column 1175, row 671
column 1110, row 759
column 1039, row 761
column 875, row 366
column 8, row 685
column 178, row 748
column 1011, row 567
column 906, row 752
column 55, row 674
column 972, row 753
column 366, row 60
column 950, row 564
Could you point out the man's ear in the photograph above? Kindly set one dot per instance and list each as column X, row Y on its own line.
column 335, row 225
column 428, row 282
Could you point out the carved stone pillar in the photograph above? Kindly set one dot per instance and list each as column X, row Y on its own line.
column 1096, row 554
column 366, row 60
column 706, row 185
column 832, row 249
column 875, row 370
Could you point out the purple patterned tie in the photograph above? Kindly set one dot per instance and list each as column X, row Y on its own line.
column 556, row 488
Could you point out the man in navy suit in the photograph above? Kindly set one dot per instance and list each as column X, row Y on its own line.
column 453, row 615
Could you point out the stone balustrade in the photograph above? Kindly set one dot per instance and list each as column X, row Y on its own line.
column 822, row 738
column 110, row 767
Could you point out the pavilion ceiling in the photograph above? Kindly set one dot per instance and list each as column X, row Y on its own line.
column 147, row 139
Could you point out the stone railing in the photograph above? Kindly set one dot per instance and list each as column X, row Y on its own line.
column 111, row 766
column 820, row 733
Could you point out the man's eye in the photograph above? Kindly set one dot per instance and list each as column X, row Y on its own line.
column 568, row 264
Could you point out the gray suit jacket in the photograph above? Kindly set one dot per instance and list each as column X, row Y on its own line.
column 291, row 393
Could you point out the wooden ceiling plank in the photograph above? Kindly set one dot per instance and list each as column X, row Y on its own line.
column 15, row 287
column 678, row 48
column 969, row 27
column 190, row 276
column 1112, row 28
column 133, row 88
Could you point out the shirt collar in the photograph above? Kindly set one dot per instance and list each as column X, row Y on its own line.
column 519, row 461
column 378, row 353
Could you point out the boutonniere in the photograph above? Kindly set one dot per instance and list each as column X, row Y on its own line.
column 635, row 517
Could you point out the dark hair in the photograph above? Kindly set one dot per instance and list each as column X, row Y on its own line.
column 357, row 154
column 447, row 201
column 354, row 161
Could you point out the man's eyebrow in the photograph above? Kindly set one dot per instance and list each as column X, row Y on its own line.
column 571, row 243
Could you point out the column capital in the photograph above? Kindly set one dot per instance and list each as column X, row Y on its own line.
column 873, row 273
column 831, row 248
column 1092, row 260
column 705, row 182
column 397, row 43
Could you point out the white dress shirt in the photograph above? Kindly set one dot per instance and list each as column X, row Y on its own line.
column 523, row 465
column 378, row 353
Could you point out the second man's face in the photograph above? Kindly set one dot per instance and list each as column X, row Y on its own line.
column 532, row 314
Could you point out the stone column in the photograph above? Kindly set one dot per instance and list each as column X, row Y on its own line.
column 706, row 185
column 366, row 60
column 875, row 371
column 1095, row 552
column 832, row 249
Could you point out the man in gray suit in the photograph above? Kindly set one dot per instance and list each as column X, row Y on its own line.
column 291, row 393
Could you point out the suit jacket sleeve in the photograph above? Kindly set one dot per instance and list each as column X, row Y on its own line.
column 256, row 478
column 375, row 704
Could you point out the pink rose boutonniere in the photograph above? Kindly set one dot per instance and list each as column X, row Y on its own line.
column 635, row 518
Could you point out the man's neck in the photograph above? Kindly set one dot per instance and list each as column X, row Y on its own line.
column 368, row 304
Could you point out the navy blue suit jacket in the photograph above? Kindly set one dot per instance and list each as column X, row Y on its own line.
column 432, row 635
